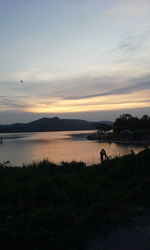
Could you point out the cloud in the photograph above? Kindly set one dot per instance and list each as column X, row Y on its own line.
column 8, row 117
column 142, row 85
column 133, row 43
column 11, row 103
column 77, row 94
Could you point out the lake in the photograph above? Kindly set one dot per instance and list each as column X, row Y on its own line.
column 23, row 148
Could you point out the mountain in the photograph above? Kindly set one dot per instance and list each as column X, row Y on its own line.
column 48, row 124
column 107, row 122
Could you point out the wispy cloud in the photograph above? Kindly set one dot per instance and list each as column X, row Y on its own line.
column 13, row 102
column 51, row 94
column 142, row 85
column 133, row 43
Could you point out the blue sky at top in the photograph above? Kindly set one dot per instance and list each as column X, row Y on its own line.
column 74, row 57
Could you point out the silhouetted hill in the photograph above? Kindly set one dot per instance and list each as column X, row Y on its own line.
column 48, row 124
column 107, row 122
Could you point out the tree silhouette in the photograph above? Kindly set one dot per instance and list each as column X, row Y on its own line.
column 127, row 121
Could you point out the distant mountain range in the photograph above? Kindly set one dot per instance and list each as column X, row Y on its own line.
column 50, row 124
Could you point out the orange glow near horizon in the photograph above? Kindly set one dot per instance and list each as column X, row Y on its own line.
column 138, row 99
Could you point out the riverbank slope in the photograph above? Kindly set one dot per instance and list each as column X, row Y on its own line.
column 61, row 206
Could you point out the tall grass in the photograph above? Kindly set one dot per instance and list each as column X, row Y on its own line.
column 49, row 206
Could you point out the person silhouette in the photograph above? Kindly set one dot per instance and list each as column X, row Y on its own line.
column 103, row 155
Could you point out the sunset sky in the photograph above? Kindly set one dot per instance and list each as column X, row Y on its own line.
column 85, row 59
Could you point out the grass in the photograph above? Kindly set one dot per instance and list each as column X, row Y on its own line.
column 49, row 206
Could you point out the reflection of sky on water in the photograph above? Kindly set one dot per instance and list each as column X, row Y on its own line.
column 14, row 136
column 57, row 146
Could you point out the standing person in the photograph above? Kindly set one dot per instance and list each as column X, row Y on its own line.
column 103, row 155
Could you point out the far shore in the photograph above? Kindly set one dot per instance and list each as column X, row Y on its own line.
column 112, row 138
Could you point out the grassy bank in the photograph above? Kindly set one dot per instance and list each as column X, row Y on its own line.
column 48, row 206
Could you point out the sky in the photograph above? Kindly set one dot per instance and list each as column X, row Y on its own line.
column 83, row 59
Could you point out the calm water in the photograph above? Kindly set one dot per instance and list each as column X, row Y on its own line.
column 57, row 146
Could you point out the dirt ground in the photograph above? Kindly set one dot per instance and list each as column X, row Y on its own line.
column 133, row 236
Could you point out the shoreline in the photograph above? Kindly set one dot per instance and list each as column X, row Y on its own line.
column 95, row 137
column 63, row 206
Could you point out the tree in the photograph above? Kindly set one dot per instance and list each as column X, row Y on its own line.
column 127, row 121
column 123, row 122
column 104, row 127
column 126, row 117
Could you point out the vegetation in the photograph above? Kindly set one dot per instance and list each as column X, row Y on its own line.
column 48, row 206
column 47, row 124
column 126, row 129
column 127, row 121
column 102, row 127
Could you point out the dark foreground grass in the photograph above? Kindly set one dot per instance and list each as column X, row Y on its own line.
column 47, row 206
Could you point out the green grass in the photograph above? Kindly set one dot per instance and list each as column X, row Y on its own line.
column 47, row 206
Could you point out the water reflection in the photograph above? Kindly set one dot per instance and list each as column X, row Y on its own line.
column 57, row 146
